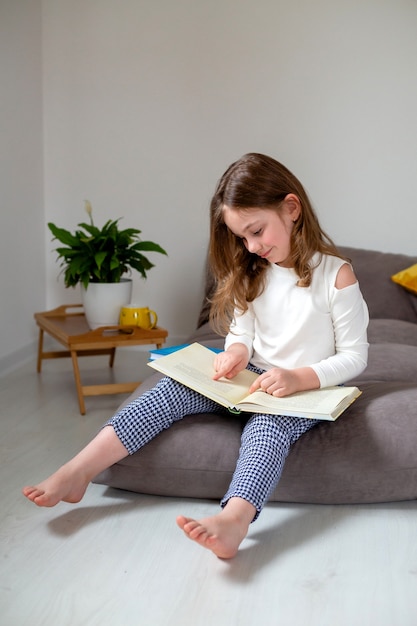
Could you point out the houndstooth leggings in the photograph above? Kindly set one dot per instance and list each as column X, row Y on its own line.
column 265, row 442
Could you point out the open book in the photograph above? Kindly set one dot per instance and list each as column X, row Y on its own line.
column 193, row 366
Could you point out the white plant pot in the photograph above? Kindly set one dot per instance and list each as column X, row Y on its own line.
column 102, row 302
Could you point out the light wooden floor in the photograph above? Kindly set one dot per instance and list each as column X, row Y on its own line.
column 118, row 558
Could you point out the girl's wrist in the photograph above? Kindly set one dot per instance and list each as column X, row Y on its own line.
column 306, row 378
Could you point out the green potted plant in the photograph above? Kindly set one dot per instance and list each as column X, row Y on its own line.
column 94, row 257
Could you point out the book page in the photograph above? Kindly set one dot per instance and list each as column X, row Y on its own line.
column 315, row 401
column 180, row 366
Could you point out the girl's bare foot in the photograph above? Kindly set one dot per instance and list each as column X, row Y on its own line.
column 70, row 482
column 63, row 486
column 222, row 533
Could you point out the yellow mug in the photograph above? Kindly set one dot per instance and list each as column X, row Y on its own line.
column 143, row 317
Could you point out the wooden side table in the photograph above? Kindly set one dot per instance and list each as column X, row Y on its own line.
column 71, row 330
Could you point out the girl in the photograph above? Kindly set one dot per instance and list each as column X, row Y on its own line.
column 291, row 309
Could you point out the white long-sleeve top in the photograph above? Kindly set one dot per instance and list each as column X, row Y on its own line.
column 318, row 326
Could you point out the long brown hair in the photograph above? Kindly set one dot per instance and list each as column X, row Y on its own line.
column 256, row 181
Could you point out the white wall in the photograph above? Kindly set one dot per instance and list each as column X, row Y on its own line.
column 22, row 255
column 146, row 104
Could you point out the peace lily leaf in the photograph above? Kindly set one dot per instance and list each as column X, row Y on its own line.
column 148, row 246
column 99, row 258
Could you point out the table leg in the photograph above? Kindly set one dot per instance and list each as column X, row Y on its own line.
column 112, row 355
column 40, row 350
column 78, row 381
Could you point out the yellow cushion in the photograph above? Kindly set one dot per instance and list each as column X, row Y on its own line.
column 407, row 278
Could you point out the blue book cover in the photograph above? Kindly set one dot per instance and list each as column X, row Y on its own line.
column 156, row 354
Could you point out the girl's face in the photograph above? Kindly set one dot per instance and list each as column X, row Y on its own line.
column 265, row 232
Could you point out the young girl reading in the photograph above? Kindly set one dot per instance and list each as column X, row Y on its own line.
column 291, row 309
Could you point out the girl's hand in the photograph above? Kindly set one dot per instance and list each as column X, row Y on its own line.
column 231, row 362
column 280, row 382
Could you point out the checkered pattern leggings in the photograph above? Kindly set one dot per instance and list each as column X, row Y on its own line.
column 265, row 442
